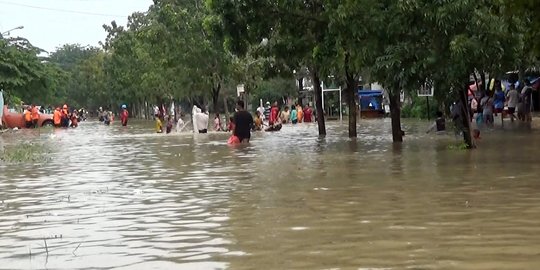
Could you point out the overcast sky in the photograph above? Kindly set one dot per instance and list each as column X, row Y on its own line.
column 51, row 23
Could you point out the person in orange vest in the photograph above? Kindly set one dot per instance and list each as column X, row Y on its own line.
column 65, row 116
column 28, row 117
column 35, row 116
column 57, row 117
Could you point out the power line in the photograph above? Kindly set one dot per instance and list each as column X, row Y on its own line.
column 62, row 10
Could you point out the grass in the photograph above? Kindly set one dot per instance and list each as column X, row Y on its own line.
column 24, row 152
column 458, row 146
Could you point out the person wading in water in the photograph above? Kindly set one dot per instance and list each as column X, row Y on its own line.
column 124, row 115
column 243, row 122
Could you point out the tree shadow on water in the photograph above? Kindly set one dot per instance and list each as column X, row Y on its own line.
column 396, row 163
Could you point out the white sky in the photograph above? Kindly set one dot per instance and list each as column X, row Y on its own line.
column 47, row 27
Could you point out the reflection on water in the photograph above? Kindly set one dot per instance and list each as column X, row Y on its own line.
column 130, row 199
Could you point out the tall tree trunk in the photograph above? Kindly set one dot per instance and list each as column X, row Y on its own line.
column 146, row 112
column 351, row 99
column 465, row 111
column 318, row 102
column 134, row 109
column 395, row 113
column 215, row 97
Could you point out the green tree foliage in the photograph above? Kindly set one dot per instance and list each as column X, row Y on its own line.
column 84, row 84
column 275, row 89
column 168, row 53
column 295, row 30
column 460, row 46
column 26, row 76
column 524, row 16
column 443, row 41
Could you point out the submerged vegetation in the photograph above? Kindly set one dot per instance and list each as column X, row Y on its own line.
column 24, row 152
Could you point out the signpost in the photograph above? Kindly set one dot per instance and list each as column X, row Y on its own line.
column 324, row 90
column 426, row 90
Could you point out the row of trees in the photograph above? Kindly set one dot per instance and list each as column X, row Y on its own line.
column 169, row 53
column 399, row 44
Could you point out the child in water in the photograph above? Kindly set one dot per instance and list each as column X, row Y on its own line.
column 294, row 115
column 233, row 139
column 258, row 122
column 159, row 125
column 217, row 122
column 230, row 128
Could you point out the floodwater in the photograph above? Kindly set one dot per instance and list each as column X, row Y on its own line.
column 117, row 198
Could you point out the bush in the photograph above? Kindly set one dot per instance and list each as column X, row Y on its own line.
column 417, row 108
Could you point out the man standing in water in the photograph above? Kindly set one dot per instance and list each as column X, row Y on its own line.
column 124, row 115
column 243, row 122
column 200, row 120
column 512, row 97
column 526, row 97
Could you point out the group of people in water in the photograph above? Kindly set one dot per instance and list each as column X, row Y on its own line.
column 64, row 118
column 294, row 114
column 107, row 117
column 492, row 103
column 484, row 107
column 241, row 124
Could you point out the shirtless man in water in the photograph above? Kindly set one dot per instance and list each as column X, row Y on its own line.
column 243, row 122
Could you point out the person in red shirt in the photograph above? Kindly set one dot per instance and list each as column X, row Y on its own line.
column 308, row 114
column 274, row 114
column 124, row 115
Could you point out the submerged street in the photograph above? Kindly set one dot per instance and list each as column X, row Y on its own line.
column 126, row 198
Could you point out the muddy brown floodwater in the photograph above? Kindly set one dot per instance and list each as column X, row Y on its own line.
column 116, row 198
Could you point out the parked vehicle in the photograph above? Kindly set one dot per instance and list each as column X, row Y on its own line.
column 16, row 120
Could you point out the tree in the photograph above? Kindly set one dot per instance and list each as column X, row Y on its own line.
column 203, row 58
column 349, row 46
column 26, row 76
column 85, row 83
column 398, row 53
column 294, row 30
column 460, row 46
